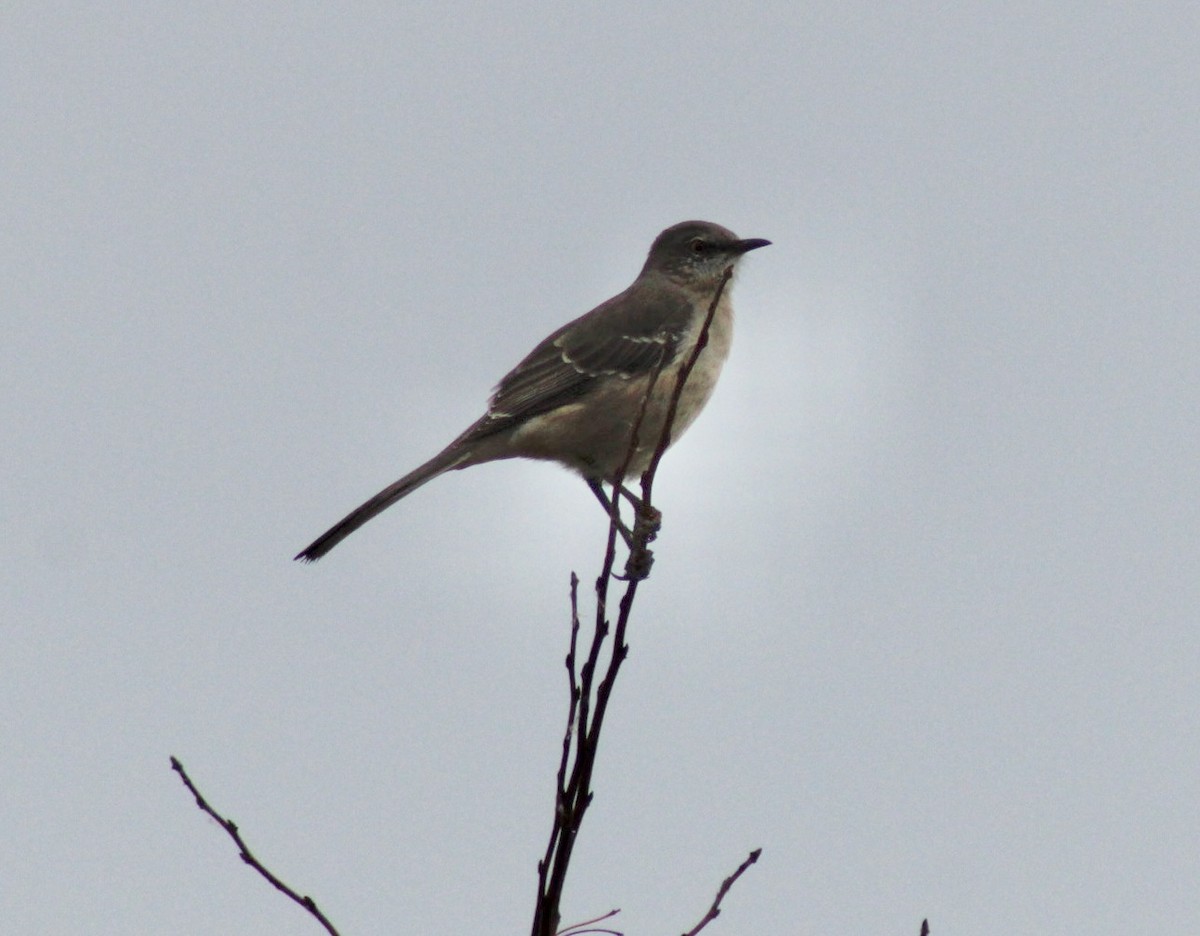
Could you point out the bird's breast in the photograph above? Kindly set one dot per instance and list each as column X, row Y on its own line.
column 593, row 434
column 703, row 378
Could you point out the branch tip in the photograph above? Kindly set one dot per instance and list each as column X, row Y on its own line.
column 246, row 855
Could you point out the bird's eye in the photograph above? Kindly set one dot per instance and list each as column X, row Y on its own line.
column 697, row 246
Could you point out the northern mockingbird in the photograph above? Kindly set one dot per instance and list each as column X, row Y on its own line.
column 576, row 396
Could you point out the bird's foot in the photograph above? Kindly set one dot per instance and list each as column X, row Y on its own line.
column 637, row 566
column 647, row 522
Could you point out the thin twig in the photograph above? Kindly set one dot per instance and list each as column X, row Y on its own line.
column 588, row 926
column 247, row 856
column 598, row 929
column 561, row 788
column 715, row 910
column 685, row 371
column 572, row 684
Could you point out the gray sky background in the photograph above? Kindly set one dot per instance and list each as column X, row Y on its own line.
column 923, row 623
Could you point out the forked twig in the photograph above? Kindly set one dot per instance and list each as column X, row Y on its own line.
column 573, row 794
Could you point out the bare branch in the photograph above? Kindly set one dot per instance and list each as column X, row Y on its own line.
column 715, row 910
column 247, row 856
column 587, row 708
column 574, row 794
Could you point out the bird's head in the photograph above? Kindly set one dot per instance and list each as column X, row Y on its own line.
column 698, row 252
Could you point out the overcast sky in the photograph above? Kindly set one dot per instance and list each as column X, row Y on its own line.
column 923, row 621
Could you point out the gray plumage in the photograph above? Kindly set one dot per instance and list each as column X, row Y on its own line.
column 575, row 397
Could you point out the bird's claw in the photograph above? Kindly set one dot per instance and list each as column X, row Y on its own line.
column 637, row 566
column 647, row 522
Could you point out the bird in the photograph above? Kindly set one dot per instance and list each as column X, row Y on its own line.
column 575, row 398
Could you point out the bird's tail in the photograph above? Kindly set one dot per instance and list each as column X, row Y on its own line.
column 451, row 457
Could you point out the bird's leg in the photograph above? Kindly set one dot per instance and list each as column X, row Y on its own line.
column 637, row 566
column 646, row 521
column 631, row 497
column 598, row 490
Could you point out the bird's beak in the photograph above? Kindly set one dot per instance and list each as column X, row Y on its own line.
column 750, row 243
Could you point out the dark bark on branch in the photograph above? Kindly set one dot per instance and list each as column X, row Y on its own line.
column 587, row 705
column 715, row 909
column 247, row 856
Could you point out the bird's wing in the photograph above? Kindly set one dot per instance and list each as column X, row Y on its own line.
column 624, row 337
